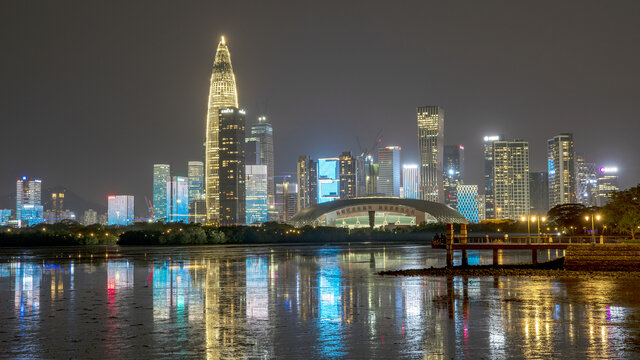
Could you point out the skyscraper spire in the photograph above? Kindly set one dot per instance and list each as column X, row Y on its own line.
column 222, row 94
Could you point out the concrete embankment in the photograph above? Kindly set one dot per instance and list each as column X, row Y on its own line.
column 603, row 257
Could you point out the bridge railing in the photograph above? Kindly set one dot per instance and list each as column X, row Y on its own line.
column 566, row 239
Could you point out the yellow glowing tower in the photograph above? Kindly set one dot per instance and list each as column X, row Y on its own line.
column 222, row 94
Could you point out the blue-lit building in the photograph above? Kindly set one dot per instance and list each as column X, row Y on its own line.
column 411, row 181
column 120, row 209
column 161, row 174
column 31, row 215
column 256, row 198
column 28, row 192
column 328, row 179
column 177, row 199
column 467, row 204
column 5, row 215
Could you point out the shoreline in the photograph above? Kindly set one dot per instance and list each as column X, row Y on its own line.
column 552, row 268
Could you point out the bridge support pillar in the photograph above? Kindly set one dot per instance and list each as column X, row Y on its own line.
column 449, row 245
column 495, row 257
column 534, row 256
column 463, row 240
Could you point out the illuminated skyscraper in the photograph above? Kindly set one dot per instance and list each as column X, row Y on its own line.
column 161, row 174
column 411, row 181
column 562, row 174
column 263, row 131
column 453, row 172
column 57, row 205
column 607, row 184
column 28, row 192
column 5, row 216
column 286, row 200
column 467, row 203
column 90, row 217
column 222, row 94
column 232, row 176
column 307, row 182
column 177, row 188
column 120, row 209
column 389, row 171
column 347, row 176
column 252, row 151
column 195, row 172
column 256, row 198
column 328, row 180
column 586, row 181
column 511, row 179
column 430, row 145
column 489, row 208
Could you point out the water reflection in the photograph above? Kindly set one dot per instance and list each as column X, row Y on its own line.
column 308, row 302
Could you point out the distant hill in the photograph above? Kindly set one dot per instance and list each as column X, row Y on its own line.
column 72, row 201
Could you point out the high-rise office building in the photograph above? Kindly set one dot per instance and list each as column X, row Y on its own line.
column 28, row 192
column 411, row 181
column 562, row 174
column 586, row 181
column 481, row 205
column 90, row 217
column 57, row 205
column 511, row 179
column 453, row 172
column 286, row 200
column 467, row 204
column 347, row 176
column 256, row 197
column 430, row 145
column 489, row 208
column 161, row 174
column 307, row 182
column 232, row 168
column 328, row 180
column 539, row 190
column 195, row 172
column 222, row 94
column 389, row 171
column 607, row 184
column 177, row 188
column 263, row 131
column 120, row 209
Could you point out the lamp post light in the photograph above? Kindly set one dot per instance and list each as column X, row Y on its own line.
column 528, row 220
column 597, row 217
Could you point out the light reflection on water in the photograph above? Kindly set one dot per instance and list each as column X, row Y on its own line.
column 304, row 302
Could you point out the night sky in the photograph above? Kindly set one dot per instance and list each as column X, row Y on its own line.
column 94, row 93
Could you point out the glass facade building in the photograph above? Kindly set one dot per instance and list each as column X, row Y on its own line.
column 28, row 192
column 586, row 181
column 5, row 216
column 178, row 199
column 256, row 198
column 489, row 207
column 222, row 94
column 263, row 132
column 561, row 170
column 467, row 204
column 539, row 190
column 120, row 210
column 411, row 181
column 307, row 182
column 31, row 215
column 453, row 172
column 430, row 145
column 389, row 171
column 161, row 175
column 607, row 184
column 511, row 179
column 232, row 176
column 347, row 176
column 328, row 179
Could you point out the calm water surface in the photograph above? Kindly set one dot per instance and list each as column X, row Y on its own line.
column 301, row 303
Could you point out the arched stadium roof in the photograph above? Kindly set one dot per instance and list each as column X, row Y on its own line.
column 441, row 212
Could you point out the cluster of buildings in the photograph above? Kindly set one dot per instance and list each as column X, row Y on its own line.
column 236, row 183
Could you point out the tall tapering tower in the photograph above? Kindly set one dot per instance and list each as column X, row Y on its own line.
column 222, row 94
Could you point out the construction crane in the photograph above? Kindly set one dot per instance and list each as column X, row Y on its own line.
column 364, row 152
column 152, row 213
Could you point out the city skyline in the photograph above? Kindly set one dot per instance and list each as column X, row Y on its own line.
column 186, row 128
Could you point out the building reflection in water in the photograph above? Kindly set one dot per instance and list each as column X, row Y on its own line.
column 318, row 302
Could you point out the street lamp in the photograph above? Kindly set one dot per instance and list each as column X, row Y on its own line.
column 528, row 220
column 597, row 217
